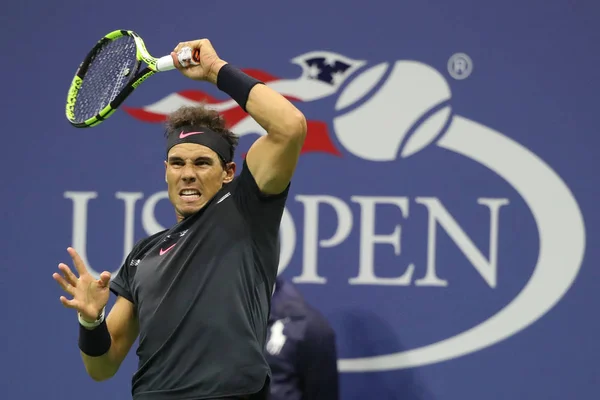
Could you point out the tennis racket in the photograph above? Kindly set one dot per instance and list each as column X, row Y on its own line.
column 110, row 72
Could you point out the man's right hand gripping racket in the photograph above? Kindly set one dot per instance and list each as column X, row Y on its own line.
column 110, row 72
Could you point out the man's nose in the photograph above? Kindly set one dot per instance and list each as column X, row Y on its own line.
column 188, row 174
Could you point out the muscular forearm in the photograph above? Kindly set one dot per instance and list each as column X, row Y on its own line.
column 99, row 351
column 272, row 158
column 104, row 347
column 277, row 115
column 102, row 367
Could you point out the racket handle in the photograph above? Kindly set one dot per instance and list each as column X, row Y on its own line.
column 165, row 63
column 186, row 57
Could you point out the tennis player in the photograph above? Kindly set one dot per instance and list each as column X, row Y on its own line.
column 198, row 294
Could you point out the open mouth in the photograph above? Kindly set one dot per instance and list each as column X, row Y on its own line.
column 189, row 194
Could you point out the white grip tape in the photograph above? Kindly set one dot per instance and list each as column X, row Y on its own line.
column 185, row 57
column 165, row 63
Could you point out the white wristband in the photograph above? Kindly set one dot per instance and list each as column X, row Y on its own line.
column 92, row 324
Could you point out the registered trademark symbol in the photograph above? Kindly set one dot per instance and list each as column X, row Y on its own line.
column 460, row 66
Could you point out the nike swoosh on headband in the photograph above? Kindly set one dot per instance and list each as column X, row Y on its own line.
column 184, row 135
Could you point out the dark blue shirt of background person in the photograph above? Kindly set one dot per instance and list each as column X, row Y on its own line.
column 300, row 349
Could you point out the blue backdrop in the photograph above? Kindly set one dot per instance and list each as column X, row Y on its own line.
column 442, row 216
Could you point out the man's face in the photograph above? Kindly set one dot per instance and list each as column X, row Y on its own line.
column 194, row 174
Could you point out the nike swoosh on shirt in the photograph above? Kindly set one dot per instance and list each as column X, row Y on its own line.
column 167, row 249
column 184, row 135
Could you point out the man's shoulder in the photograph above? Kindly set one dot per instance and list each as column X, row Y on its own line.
column 246, row 182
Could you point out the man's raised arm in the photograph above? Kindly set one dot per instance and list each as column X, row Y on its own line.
column 272, row 158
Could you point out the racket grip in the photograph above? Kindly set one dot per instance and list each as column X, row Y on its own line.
column 186, row 57
column 165, row 63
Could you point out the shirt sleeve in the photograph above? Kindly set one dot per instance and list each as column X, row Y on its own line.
column 121, row 284
column 257, row 207
column 318, row 366
column 263, row 214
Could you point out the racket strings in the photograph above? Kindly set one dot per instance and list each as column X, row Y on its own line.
column 109, row 71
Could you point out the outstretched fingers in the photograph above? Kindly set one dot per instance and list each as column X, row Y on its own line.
column 67, row 287
column 64, row 283
column 69, row 276
column 79, row 265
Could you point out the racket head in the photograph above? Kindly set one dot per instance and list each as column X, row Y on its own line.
column 107, row 75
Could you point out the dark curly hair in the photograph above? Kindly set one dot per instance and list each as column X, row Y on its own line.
column 202, row 117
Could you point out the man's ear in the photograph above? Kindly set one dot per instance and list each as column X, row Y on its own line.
column 229, row 172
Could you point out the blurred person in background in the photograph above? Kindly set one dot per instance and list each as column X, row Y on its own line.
column 301, row 348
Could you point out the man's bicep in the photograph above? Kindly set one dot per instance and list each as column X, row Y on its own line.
column 272, row 161
column 123, row 326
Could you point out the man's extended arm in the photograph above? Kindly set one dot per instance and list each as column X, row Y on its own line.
column 104, row 343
